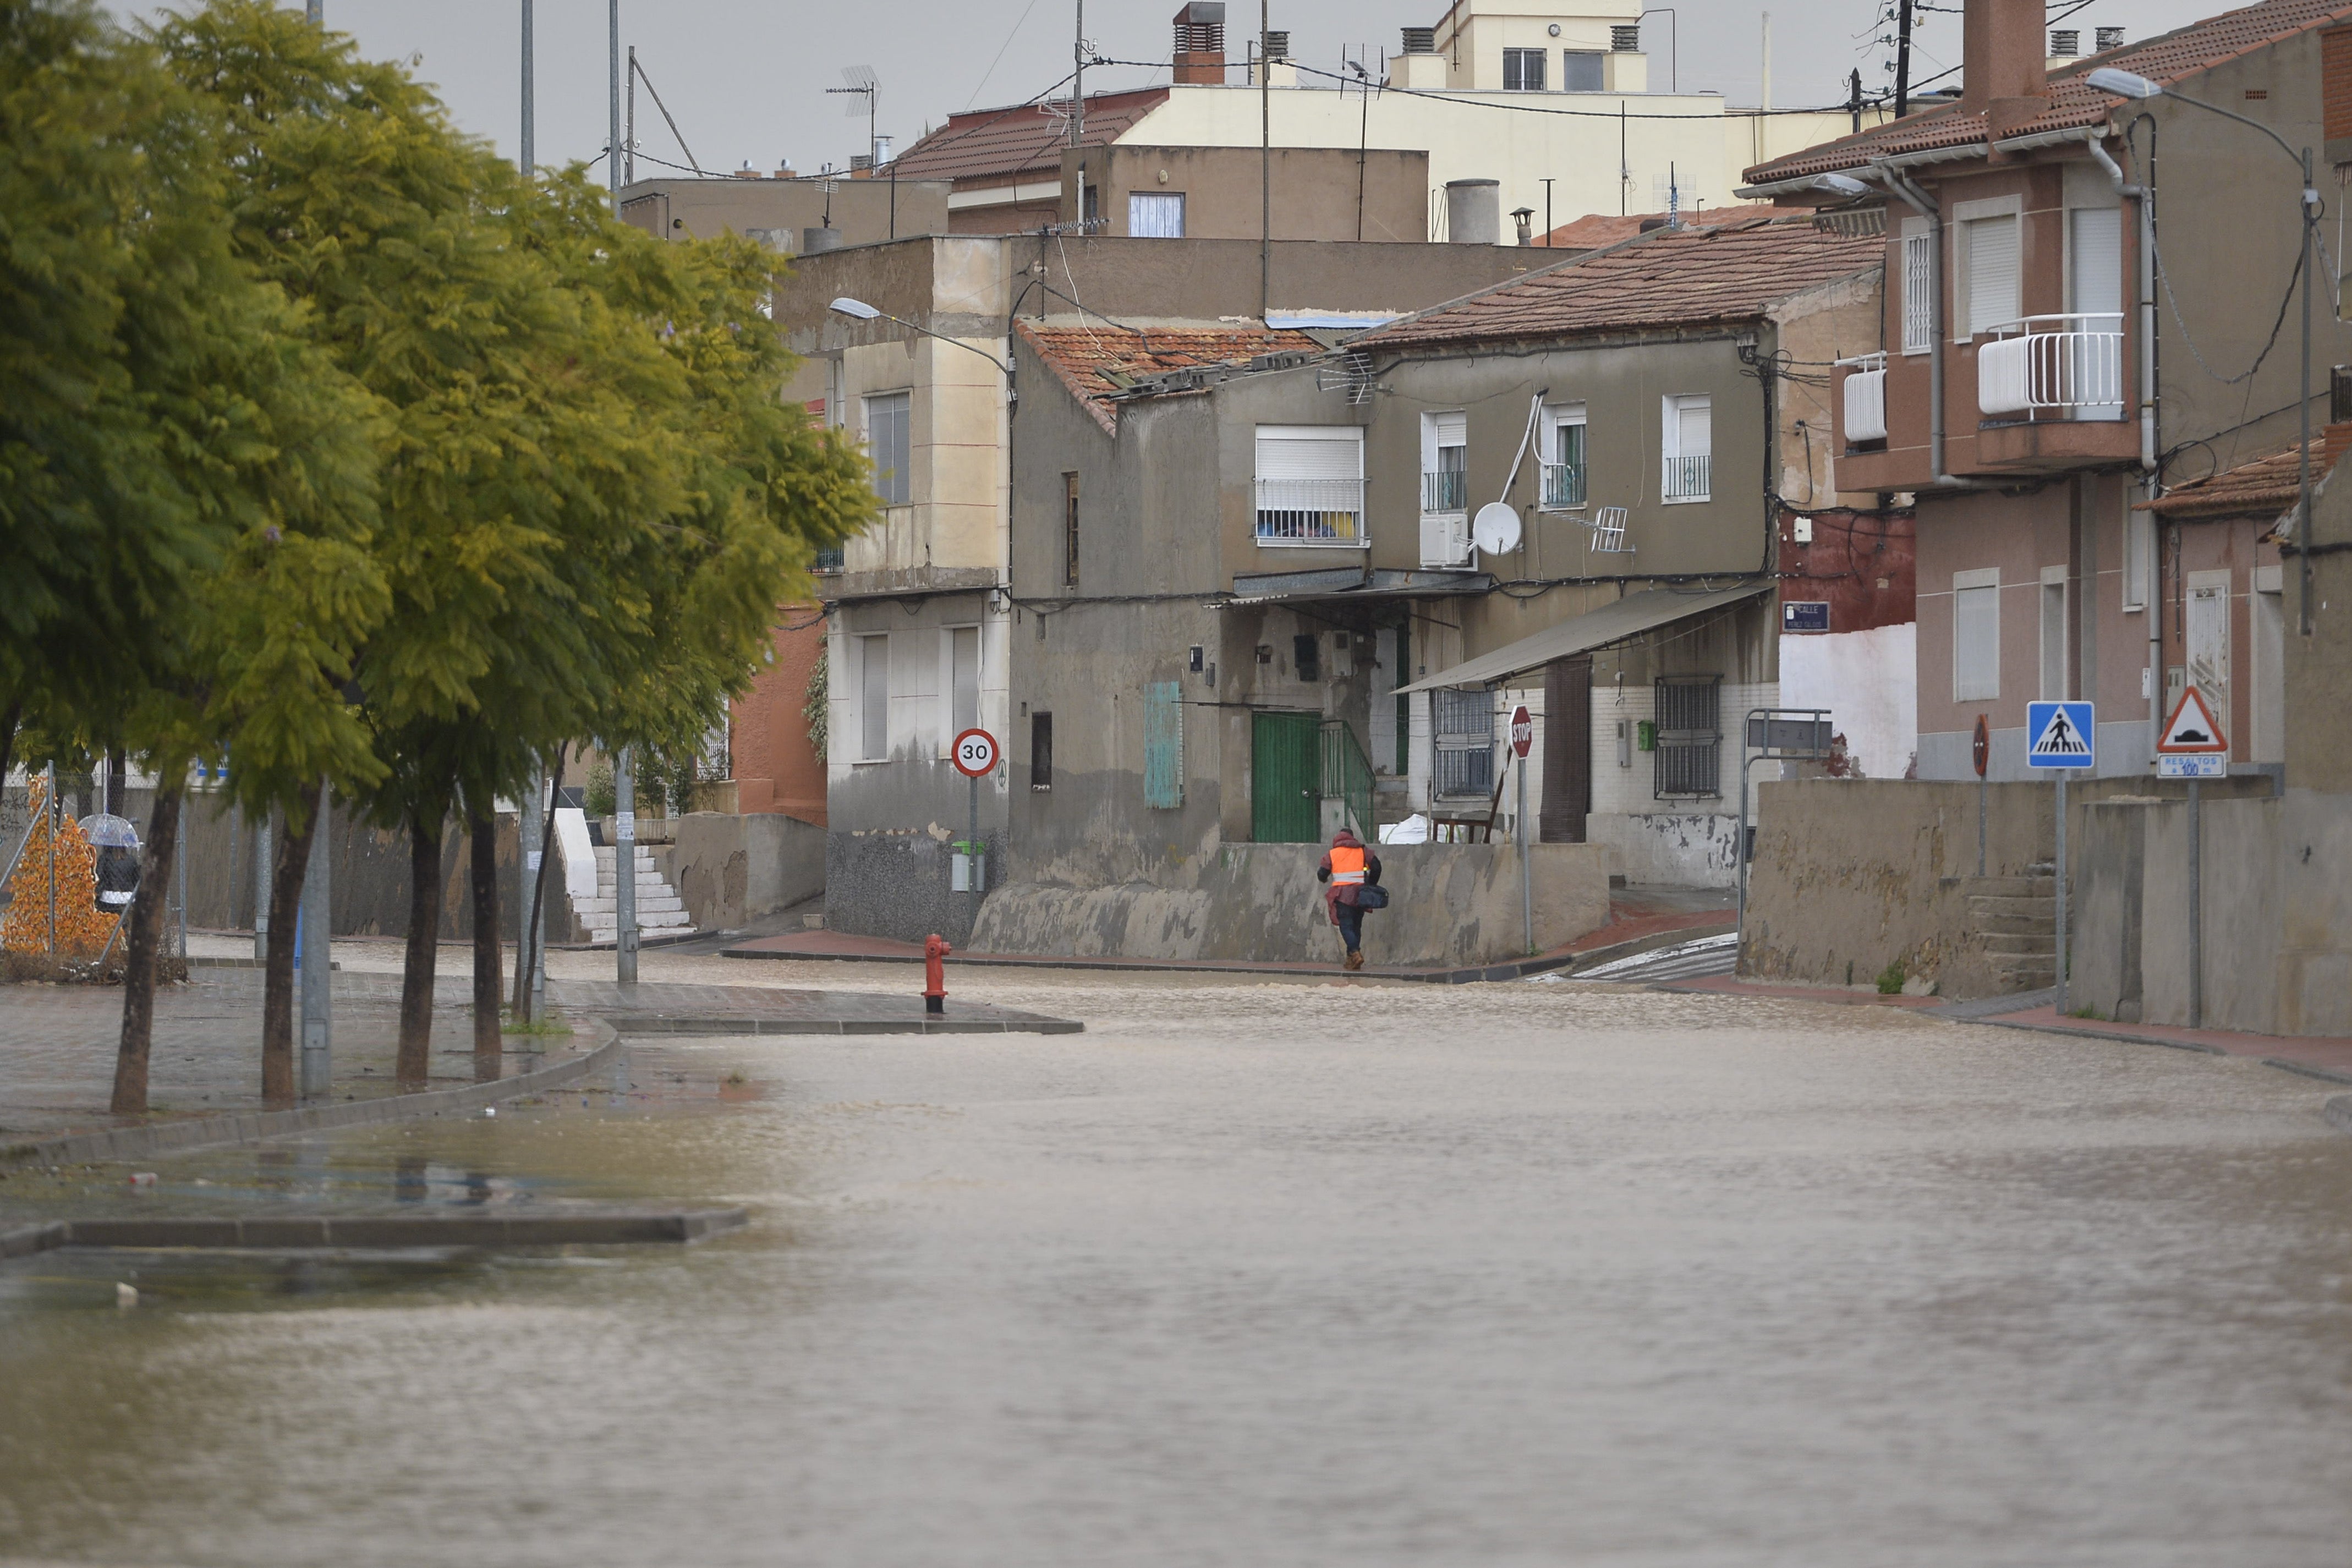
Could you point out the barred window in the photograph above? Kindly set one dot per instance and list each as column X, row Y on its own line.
column 1689, row 757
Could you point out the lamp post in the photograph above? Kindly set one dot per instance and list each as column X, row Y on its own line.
column 859, row 311
column 2125, row 84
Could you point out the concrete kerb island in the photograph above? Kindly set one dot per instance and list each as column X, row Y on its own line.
column 585, row 1228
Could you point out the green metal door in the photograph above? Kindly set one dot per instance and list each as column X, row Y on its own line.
column 1286, row 776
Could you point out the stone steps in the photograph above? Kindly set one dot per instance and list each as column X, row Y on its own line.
column 2013, row 923
column 658, row 906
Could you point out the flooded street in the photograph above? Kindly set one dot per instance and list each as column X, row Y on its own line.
column 1257, row 1273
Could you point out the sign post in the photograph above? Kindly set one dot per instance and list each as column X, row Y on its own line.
column 1523, row 740
column 975, row 757
column 2193, row 747
column 1981, row 752
column 1776, row 734
column 2064, row 736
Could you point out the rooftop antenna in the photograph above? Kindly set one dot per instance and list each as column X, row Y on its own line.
column 862, row 84
column 667, row 118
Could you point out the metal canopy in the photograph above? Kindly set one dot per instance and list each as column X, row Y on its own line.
column 1629, row 617
column 1351, row 582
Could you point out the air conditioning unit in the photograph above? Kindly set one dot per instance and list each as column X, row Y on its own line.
column 1446, row 540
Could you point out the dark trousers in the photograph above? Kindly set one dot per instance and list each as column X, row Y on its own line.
column 1351, row 926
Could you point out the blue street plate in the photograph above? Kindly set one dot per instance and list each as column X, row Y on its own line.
column 2194, row 765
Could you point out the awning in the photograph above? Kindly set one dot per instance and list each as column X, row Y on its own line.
column 1353, row 583
column 1629, row 617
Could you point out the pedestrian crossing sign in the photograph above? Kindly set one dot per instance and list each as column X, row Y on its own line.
column 2064, row 735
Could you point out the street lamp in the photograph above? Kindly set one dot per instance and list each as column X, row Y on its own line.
column 1840, row 186
column 2127, row 84
column 859, row 311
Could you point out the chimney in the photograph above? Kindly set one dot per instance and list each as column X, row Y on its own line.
column 2004, row 75
column 1473, row 212
column 1200, row 43
column 2110, row 39
column 2066, row 43
column 1524, row 218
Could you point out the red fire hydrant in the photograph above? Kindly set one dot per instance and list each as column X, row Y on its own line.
column 935, row 976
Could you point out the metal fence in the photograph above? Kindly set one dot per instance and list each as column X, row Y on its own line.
column 1310, row 511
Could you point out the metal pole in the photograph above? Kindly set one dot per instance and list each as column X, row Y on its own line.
column 629, row 128
column 1984, row 789
column 1264, row 166
column 530, row 921
column 317, row 11
column 974, row 861
column 530, row 159
column 1527, row 871
column 49, row 810
column 2060, row 870
column 624, row 867
column 2196, row 907
column 2302, row 462
column 261, row 884
column 180, row 870
column 1740, row 853
column 318, row 952
column 613, row 124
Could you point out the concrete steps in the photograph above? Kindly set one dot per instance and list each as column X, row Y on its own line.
column 658, row 906
column 2013, row 922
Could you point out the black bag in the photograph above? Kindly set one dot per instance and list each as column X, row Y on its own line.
column 1371, row 896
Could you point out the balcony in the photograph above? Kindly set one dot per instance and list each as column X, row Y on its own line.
column 1864, row 410
column 1685, row 479
column 1311, row 513
column 1563, row 486
column 2053, row 367
column 1444, row 490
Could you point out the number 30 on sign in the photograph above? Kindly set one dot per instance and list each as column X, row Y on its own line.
column 975, row 753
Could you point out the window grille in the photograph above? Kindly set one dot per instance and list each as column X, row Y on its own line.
column 1918, row 292
column 1688, row 759
column 1463, row 732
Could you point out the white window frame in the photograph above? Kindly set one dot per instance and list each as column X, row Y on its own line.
column 1349, row 490
column 1986, row 580
column 1434, row 424
column 956, row 725
column 1671, row 409
column 2139, row 557
column 1539, row 57
column 2055, row 667
column 1599, row 58
column 1137, row 201
column 1964, row 304
column 1556, row 415
column 890, row 476
column 1918, row 299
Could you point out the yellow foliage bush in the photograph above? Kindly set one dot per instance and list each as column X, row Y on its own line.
column 83, row 927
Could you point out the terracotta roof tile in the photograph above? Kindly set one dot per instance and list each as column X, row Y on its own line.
column 1086, row 360
column 2169, row 58
column 1670, row 276
column 1594, row 230
column 2263, row 488
column 1004, row 143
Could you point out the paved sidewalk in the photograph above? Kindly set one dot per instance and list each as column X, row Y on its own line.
column 2318, row 1057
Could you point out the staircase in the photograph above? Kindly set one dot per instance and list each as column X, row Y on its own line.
column 2013, row 922
column 659, row 908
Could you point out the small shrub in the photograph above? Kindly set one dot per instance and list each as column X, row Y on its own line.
column 1890, row 980
column 603, row 799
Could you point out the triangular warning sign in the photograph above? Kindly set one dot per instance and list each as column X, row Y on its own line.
column 2061, row 737
column 2191, row 730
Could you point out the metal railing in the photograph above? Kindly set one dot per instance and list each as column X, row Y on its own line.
column 1684, row 478
column 1564, row 485
column 1311, row 512
column 1864, row 405
column 2053, row 364
column 1444, row 489
column 1348, row 775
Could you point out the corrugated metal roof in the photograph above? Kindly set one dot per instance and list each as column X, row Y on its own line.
column 1004, row 143
column 1097, row 363
column 1628, row 617
column 2169, row 58
column 1669, row 277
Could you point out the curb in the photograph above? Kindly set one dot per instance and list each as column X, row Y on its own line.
column 755, row 1023
column 2337, row 1113
column 253, row 1126
column 284, row 1231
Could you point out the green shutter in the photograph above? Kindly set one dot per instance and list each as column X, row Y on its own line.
column 1163, row 745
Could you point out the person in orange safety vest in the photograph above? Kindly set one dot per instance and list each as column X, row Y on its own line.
column 1350, row 868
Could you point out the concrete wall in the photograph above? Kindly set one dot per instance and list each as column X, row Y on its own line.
column 1451, row 904
column 1315, row 190
column 729, row 870
column 1851, row 875
column 865, row 212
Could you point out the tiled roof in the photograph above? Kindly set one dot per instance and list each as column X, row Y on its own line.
column 2263, row 488
column 1003, row 143
column 1095, row 363
column 1594, row 230
column 2169, row 58
column 1669, row 277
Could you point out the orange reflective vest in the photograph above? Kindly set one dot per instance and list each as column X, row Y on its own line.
column 1347, row 865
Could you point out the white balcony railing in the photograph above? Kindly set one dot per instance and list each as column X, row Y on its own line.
column 1444, row 490
column 2070, row 365
column 1563, row 486
column 1865, row 398
column 1685, row 478
column 1311, row 512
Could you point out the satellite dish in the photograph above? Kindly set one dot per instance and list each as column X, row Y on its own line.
column 1496, row 529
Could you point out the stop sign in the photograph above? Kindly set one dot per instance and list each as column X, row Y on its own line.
column 1523, row 730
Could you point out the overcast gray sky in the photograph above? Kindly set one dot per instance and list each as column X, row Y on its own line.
column 746, row 79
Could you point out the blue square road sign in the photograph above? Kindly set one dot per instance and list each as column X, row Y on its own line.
column 2060, row 735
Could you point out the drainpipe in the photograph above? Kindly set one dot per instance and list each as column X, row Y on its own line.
column 2144, row 200
column 1927, row 207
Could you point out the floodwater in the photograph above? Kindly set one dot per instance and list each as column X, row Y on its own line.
column 1259, row 1275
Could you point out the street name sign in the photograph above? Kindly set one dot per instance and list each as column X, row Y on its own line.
column 2061, row 735
column 1523, row 730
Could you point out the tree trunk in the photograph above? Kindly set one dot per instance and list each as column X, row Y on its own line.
column 415, row 1063
column 9, row 719
column 277, row 968
column 488, row 953
column 534, row 888
column 145, row 952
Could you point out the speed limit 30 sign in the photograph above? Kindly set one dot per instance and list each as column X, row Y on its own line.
column 975, row 753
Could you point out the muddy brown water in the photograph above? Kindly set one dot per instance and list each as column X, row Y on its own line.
column 1256, row 1275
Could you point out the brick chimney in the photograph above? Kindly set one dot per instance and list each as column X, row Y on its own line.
column 1200, row 43
column 2004, row 75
